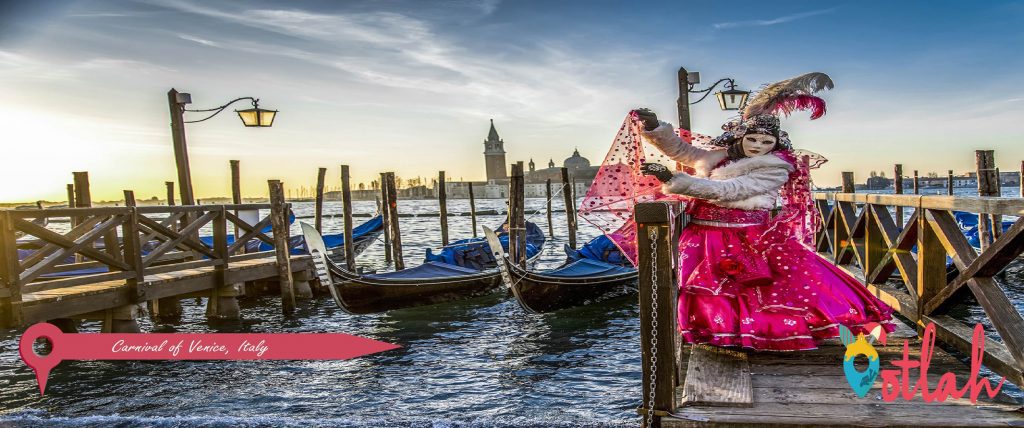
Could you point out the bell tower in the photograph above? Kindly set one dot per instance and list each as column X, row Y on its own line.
column 494, row 155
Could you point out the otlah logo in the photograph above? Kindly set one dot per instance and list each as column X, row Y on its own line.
column 861, row 381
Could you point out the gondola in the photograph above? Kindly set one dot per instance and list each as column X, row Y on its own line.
column 595, row 272
column 460, row 271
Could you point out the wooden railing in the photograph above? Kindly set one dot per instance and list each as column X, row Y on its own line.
column 125, row 243
column 861, row 235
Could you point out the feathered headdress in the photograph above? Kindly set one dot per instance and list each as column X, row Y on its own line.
column 790, row 95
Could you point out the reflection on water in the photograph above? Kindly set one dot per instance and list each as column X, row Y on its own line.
column 482, row 362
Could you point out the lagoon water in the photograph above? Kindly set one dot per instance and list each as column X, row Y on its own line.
column 481, row 362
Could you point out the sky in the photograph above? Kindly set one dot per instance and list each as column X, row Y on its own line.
column 410, row 86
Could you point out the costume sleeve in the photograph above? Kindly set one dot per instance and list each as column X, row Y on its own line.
column 665, row 139
column 766, row 180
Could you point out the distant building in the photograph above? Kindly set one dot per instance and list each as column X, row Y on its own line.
column 581, row 173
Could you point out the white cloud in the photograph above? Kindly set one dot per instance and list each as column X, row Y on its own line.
column 774, row 21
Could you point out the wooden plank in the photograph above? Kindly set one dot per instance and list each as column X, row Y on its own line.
column 717, row 377
column 182, row 237
column 59, row 240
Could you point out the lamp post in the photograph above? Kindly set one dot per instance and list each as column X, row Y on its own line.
column 176, row 101
column 728, row 99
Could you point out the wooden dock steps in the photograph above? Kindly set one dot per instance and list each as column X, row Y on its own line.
column 717, row 377
column 808, row 388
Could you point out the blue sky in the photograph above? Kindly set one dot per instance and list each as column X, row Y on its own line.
column 409, row 86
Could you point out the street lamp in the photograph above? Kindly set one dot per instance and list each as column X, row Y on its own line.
column 728, row 99
column 252, row 117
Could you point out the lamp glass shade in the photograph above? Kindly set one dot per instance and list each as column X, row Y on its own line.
column 732, row 99
column 257, row 117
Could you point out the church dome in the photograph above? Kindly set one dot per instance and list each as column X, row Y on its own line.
column 576, row 161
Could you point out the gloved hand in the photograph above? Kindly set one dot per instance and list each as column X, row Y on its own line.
column 648, row 117
column 659, row 171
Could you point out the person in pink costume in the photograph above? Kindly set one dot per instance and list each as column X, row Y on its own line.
column 749, row 279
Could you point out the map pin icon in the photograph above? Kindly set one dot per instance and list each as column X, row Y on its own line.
column 41, row 364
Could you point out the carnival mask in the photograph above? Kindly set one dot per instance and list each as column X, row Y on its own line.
column 757, row 144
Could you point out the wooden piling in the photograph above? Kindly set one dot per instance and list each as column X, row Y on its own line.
column 396, row 232
column 988, row 185
column 1021, row 183
column 949, row 183
column 385, row 212
column 547, row 195
column 917, row 183
column 848, row 184
column 319, row 209
column 71, row 195
column 570, row 208
column 279, row 225
column 170, row 192
column 442, row 207
column 658, row 294
column 472, row 208
column 346, row 200
column 10, row 299
column 180, row 147
column 82, row 196
column 516, row 213
column 898, row 189
column 236, row 182
column 132, row 247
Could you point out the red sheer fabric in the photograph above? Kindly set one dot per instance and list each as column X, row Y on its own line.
column 619, row 185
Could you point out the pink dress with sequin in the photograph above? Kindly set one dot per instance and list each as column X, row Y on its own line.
column 737, row 291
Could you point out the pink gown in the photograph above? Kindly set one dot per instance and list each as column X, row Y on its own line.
column 737, row 291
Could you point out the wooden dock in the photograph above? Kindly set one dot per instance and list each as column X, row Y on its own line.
column 699, row 385
column 114, row 259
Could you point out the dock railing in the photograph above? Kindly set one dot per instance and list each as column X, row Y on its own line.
column 118, row 244
column 906, row 266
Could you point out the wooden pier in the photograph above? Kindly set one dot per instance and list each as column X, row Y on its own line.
column 701, row 385
column 115, row 258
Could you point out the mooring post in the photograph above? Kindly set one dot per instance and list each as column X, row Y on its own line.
column 132, row 247
column 517, row 193
column 170, row 192
column 570, row 208
column 472, row 208
column 10, row 305
column 71, row 196
column 917, row 183
column 848, row 185
column 319, row 209
column 396, row 232
column 346, row 210
column 898, row 189
column 512, row 220
column 279, row 225
column 385, row 212
column 547, row 195
column 1021, row 183
column 83, row 198
column 988, row 185
column 683, row 103
column 236, row 182
column 949, row 183
column 442, row 207
column 658, row 294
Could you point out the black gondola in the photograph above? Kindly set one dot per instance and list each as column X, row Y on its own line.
column 441, row 278
column 586, row 277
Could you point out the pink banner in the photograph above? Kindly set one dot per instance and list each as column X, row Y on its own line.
column 189, row 346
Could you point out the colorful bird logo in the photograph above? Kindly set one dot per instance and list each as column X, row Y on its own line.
column 861, row 381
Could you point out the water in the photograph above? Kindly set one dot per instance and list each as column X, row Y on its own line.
column 482, row 362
